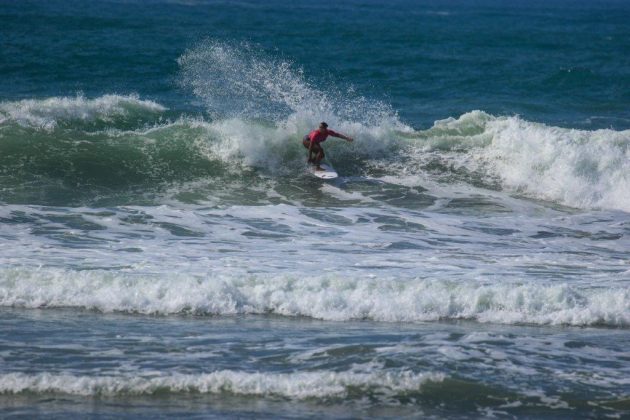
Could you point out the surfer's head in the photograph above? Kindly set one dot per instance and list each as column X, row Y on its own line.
column 323, row 126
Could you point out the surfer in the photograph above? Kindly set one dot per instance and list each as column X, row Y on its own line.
column 313, row 142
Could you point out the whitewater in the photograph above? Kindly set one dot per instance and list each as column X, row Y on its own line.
column 165, row 251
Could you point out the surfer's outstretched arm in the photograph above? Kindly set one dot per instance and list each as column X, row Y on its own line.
column 341, row 136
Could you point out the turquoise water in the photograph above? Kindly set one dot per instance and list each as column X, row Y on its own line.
column 164, row 250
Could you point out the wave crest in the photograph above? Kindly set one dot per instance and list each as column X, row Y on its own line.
column 298, row 385
column 337, row 299
column 76, row 112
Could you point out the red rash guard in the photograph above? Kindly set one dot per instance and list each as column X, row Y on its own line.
column 317, row 136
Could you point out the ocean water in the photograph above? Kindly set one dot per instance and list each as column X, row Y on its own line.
column 165, row 252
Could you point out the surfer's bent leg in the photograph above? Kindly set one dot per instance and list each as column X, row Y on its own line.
column 318, row 158
column 317, row 150
column 307, row 144
column 320, row 155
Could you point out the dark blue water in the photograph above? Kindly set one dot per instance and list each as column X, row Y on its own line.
column 561, row 62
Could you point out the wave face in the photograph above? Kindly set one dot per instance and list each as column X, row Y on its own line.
column 48, row 152
column 258, row 108
column 328, row 298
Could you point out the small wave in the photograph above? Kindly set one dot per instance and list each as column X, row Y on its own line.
column 297, row 385
column 337, row 299
column 49, row 113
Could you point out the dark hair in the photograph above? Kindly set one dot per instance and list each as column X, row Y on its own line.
column 323, row 124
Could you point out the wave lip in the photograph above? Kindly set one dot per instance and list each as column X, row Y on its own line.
column 48, row 114
column 297, row 385
column 326, row 298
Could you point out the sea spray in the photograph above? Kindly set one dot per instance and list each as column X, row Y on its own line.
column 240, row 82
column 240, row 79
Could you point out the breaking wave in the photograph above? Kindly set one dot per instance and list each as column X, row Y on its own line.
column 257, row 109
column 579, row 168
column 77, row 112
column 297, row 385
column 326, row 298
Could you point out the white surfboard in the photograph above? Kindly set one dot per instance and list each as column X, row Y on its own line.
column 327, row 173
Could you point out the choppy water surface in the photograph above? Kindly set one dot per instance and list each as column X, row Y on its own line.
column 257, row 365
column 164, row 251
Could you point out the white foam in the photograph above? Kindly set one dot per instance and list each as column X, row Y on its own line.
column 344, row 195
column 584, row 169
column 325, row 297
column 48, row 113
column 297, row 385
